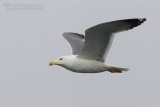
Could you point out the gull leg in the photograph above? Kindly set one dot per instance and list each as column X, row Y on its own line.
column 114, row 70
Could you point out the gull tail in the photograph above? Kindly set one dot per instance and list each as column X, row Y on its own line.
column 117, row 69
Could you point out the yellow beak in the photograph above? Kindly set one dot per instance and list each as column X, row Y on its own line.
column 52, row 63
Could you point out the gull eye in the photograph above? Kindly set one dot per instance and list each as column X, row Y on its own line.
column 60, row 58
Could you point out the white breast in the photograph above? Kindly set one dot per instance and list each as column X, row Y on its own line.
column 85, row 66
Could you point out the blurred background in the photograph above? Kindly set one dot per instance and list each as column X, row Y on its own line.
column 30, row 38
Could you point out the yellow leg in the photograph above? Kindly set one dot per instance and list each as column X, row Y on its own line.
column 115, row 70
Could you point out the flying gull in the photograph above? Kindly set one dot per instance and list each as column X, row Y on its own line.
column 89, row 51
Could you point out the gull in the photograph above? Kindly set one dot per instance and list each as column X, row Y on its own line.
column 90, row 51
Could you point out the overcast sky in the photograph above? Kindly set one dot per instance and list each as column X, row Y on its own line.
column 30, row 38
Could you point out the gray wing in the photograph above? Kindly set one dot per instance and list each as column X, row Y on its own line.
column 75, row 40
column 98, row 39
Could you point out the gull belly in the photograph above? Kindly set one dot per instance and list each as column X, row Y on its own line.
column 86, row 66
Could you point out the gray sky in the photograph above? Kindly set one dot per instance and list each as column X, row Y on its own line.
column 30, row 38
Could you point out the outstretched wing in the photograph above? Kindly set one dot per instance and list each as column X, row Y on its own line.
column 75, row 40
column 98, row 39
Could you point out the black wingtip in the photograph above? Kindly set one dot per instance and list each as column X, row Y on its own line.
column 142, row 20
column 135, row 22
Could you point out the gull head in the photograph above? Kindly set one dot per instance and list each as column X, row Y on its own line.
column 62, row 61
